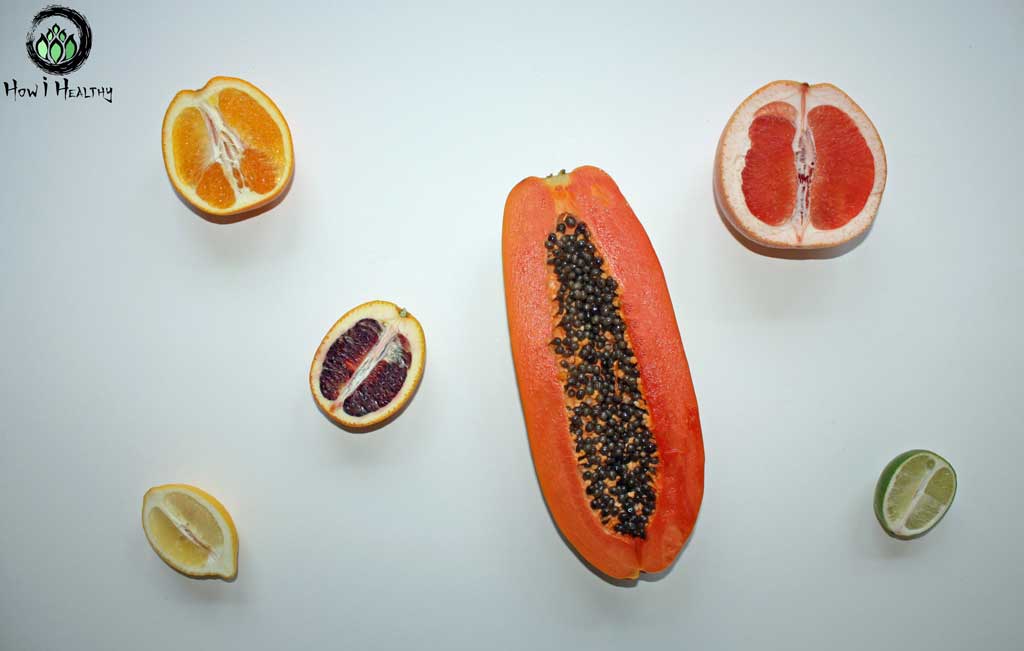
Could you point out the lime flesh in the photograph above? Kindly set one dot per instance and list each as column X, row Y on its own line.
column 913, row 493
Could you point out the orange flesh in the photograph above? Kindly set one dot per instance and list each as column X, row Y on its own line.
column 192, row 149
column 245, row 115
column 214, row 187
column 260, row 165
column 263, row 158
column 843, row 169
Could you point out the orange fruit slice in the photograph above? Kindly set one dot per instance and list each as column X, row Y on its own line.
column 227, row 148
column 191, row 531
column 799, row 167
column 368, row 364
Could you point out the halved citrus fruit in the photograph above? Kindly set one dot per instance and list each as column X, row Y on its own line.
column 368, row 364
column 190, row 530
column 227, row 148
column 799, row 166
column 913, row 492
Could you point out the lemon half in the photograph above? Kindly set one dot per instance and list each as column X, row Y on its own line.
column 191, row 531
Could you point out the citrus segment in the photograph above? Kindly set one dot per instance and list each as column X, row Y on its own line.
column 345, row 354
column 258, row 171
column 942, row 486
column 384, row 382
column 924, row 512
column 190, row 530
column 935, row 498
column 905, row 485
column 780, row 110
column 845, row 168
column 192, row 151
column 251, row 122
column 769, row 185
column 214, row 188
column 227, row 148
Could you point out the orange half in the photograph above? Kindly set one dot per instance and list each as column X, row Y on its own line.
column 227, row 148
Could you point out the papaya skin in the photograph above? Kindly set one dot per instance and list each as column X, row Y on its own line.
column 531, row 212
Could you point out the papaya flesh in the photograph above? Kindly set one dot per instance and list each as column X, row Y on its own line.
column 660, row 396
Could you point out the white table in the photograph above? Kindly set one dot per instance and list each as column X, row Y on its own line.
column 145, row 345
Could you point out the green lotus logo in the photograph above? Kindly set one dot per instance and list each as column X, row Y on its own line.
column 55, row 46
column 59, row 40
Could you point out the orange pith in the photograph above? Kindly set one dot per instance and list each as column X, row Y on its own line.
column 227, row 148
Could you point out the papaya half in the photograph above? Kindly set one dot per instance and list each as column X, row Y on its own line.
column 610, row 409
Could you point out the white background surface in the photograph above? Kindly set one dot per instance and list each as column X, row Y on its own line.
column 144, row 345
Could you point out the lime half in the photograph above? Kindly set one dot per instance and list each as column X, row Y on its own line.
column 913, row 493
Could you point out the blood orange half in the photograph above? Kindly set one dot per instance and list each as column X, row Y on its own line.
column 799, row 167
column 368, row 364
